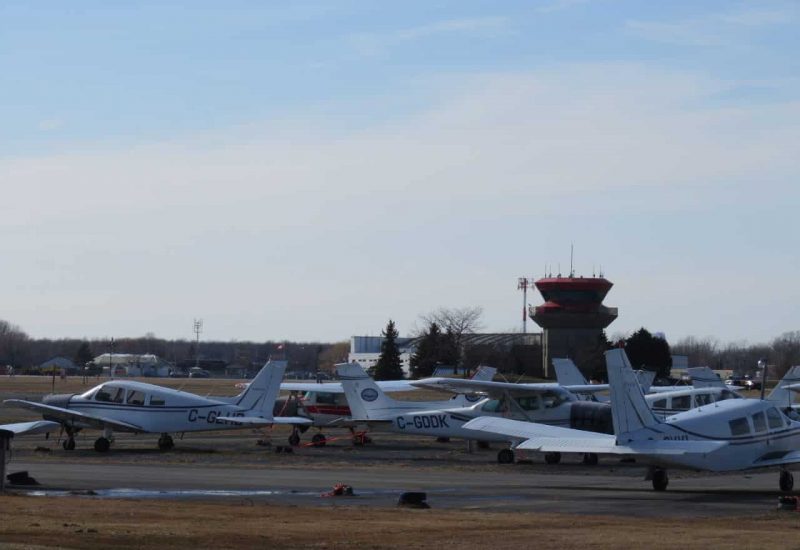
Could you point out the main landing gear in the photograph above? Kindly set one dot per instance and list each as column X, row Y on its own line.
column 318, row 440
column 68, row 444
column 294, row 438
column 165, row 442
column 590, row 459
column 102, row 445
column 659, row 478
column 552, row 458
column 786, row 481
column 505, row 456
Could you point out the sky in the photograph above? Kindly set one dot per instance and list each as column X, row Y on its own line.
column 309, row 170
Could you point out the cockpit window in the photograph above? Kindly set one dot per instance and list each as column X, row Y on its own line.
column 528, row 403
column 156, row 401
column 759, row 422
column 103, row 394
column 702, row 399
column 119, row 396
column 774, row 418
column 681, row 402
column 728, row 394
column 135, row 398
column 493, row 405
column 552, row 399
column 739, row 426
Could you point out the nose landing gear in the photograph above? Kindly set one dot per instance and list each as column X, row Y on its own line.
column 786, row 481
column 165, row 442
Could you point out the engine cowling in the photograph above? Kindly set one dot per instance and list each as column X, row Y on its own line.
column 591, row 417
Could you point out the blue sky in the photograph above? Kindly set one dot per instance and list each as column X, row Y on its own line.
column 308, row 170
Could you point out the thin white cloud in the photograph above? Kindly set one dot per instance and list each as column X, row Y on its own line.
column 372, row 44
column 300, row 230
column 718, row 29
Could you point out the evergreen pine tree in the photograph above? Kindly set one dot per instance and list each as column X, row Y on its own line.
column 388, row 366
column 424, row 360
column 84, row 354
column 646, row 351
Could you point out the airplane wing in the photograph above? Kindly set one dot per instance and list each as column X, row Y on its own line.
column 336, row 387
column 29, row 428
column 554, row 439
column 67, row 415
column 258, row 421
column 520, row 431
column 499, row 389
column 792, row 457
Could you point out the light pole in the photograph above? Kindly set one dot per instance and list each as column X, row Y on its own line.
column 522, row 284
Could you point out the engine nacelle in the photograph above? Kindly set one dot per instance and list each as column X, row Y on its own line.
column 591, row 417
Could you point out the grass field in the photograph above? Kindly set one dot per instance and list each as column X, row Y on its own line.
column 28, row 522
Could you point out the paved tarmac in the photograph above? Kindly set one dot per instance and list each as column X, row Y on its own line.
column 573, row 489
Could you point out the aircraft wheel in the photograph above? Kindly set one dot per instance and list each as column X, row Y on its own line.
column 505, row 456
column 786, row 481
column 660, row 480
column 68, row 444
column 590, row 459
column 102, row 445
column 318, row 440
column 552, row 458
column 294, row 439
column 165, row 442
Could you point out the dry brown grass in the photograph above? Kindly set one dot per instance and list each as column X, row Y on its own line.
column 94, row 523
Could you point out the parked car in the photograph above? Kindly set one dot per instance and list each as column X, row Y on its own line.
column 199, row 374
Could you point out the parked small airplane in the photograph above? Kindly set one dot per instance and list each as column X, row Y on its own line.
column 326, row 404
column 130, row 406
column 548, row 403
column 730, row 435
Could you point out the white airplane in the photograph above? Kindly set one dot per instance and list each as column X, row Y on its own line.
column 548, row 403
column 326, row 404
column 130, row 406
column 730, row 435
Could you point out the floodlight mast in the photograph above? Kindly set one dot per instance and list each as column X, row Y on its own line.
column 198, row 328
column 522, row 284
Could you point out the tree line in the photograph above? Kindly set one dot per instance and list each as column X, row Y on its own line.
column 24, row 353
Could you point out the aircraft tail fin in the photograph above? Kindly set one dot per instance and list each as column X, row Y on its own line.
column 568, row 373
column 704, row 377
column 783, row 394
column 645, row 378
column 260, row 395
column 484, row 373
column 629, row 409
column 364, row 397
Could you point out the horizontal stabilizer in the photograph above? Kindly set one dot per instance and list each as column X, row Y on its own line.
column 336, row 387
column 258, row 421
column 68, row 416
column 29, row 428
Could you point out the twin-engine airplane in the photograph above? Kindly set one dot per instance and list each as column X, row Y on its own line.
column 548, row 403
column 130, row 406
column 730, row 435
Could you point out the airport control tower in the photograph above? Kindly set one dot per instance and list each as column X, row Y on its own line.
column 573, row 316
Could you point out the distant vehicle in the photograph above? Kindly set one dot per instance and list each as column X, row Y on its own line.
column 199, row 374
column 130, row 406
column 745, row 382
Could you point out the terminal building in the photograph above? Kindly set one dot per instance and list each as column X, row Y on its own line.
column 572, row 316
